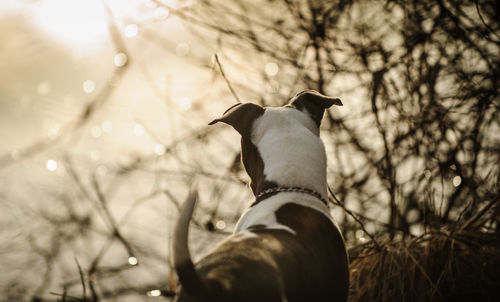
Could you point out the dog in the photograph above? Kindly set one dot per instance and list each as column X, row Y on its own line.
column 285, row 247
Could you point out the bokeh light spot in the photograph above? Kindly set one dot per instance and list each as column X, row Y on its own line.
column 95, row 155
column 162, row 13
column 131, row 30
column 120, row 59
column 159, row 149
column 43, row 88
column 96, row 131
column 139, row 130
column 220, row 224
column 154, row 293
column 132, row 260
column 271, row 69
column 51, row 165
column 185, row 103
column 88, row 86
column 107, row 126
column 54, row 131
column 182, row 49
column 360, row 235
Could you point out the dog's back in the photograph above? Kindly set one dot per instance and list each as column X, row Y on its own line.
column 286, row 246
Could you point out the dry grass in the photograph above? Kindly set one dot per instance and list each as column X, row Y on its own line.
column 438, row 266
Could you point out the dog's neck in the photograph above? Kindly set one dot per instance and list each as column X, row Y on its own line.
column 275, row 190
column 285, row 150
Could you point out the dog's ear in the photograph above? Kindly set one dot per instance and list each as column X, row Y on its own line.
column 314, row 103
column 241, row 117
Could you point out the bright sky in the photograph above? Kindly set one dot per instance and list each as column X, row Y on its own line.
column 76, row 23
column 57, row 55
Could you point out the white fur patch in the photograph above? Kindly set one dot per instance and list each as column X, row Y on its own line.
column 243, row 235
column 293, row 155
column 264, row 213
column 289, row 144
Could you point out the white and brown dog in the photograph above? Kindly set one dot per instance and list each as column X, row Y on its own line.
column 285, row 246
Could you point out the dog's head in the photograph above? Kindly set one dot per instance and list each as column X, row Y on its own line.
column 281, row 145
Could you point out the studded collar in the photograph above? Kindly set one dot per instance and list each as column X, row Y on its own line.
column 274, row 190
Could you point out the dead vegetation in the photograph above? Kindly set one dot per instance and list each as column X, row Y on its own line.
column 459, row 264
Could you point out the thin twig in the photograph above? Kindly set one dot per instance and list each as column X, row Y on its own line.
column 82, row 280
column 484, row 22
column 479, row 214
column 339, row 203
column 226, row 79
column 109, row 217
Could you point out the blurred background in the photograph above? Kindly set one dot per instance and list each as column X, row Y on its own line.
column 104, row 106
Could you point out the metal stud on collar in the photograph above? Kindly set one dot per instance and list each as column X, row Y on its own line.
column 291, row 189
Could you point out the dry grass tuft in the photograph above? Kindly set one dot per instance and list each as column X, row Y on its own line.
column 438, row 266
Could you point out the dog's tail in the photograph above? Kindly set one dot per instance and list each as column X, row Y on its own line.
column 189, row 279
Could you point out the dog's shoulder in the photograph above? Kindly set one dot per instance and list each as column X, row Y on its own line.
column 266, row 213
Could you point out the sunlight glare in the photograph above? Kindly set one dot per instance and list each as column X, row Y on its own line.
column 170, row 3
column 177, row 4
column 77, row 23
column 151, row 4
